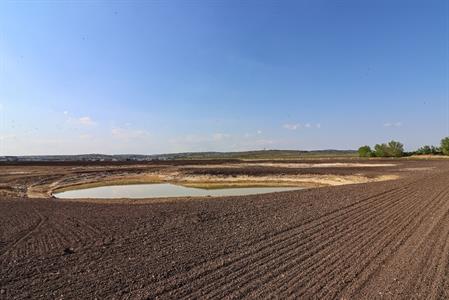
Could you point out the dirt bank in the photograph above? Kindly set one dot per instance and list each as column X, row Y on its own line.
column 42, row 181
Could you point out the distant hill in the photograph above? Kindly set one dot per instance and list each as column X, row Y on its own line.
column 259, row 154
column 266, row 154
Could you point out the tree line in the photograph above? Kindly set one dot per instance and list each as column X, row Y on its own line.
column 396, row 149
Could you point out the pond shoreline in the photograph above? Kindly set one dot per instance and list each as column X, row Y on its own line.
column 165, row 190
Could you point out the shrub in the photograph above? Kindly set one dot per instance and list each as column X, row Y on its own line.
column 392, row 149
column 365, row 151
column 395, row 149
column 445, row 146
column 426, row 150
column 435, row 150
column 380, row 150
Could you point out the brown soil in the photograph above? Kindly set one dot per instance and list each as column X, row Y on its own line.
column 41, row 181
column 382, row 239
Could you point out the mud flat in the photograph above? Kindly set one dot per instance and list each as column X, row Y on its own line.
column 42, row 181
column 357, row 241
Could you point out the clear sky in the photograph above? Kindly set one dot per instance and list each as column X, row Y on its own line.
column 173, row 76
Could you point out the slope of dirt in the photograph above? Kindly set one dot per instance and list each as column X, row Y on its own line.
column 385, row 239
column 37, row 180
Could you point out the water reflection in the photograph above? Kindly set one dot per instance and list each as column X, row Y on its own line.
column 164, row 190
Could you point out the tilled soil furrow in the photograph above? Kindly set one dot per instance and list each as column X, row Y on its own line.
column 10, row 248
column 306, row 264
column 384, row 251
column 297, row 252
column 423, row 251
column 437, row 289
column 443, row 273
column 291, row 234
column 346, row 272
column 18, row 225
column 252, row 242
column 386, row 239
column 429, row 281
column 363, row 234
column 220, row 258
column 430, row 250
column 256, row 267
column 77, row 221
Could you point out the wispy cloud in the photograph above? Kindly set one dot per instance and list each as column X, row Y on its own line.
column 291, row 126
column 395, row 124
column 83, row 121
column 296, row 126
column 86, row 121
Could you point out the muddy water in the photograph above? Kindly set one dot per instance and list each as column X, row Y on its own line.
column 164, row 190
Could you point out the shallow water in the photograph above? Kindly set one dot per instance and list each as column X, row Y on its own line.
column 161, row 190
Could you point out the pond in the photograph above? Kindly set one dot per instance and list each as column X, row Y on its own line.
column 162, row 190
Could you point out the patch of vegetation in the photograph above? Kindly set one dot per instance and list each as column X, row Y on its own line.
column 396, row 149
column 433, row 150
column 390, row 149
column 267, row 154
column 445, row 146
column 365, row 151
column 428, row 150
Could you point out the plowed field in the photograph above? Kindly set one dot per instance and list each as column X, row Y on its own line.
column 362, row 241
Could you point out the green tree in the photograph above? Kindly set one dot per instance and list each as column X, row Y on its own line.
column 428, row 150
column 435, row 150
column 380, row 150
column 445, row 146
column 395, row 149
column 392, row 149
column 365, row 151
column 424, row 150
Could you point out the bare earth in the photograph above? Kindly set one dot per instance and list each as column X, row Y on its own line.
column 359, row 241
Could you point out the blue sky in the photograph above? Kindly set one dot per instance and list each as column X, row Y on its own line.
column 173, row 76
